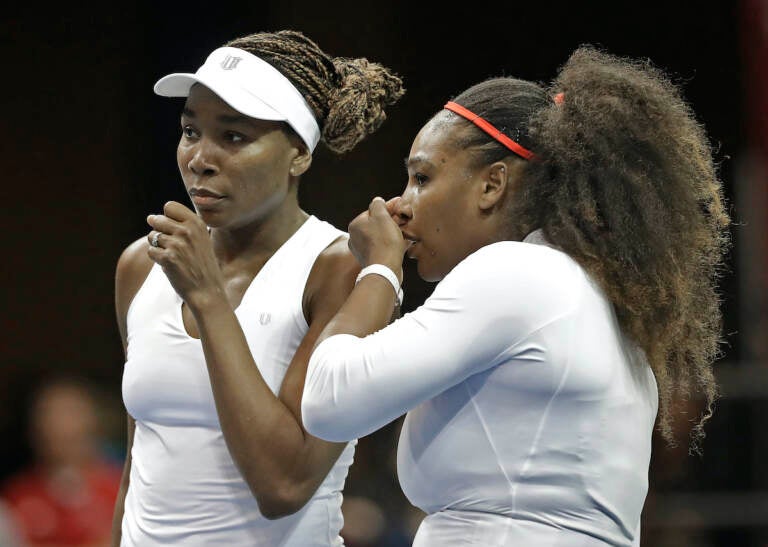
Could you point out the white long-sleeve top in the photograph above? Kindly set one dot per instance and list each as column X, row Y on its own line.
column 529, row 414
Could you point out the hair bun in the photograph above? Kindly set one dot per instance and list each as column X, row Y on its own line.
column 357, row 107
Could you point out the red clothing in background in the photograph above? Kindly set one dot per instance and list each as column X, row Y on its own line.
column 67, row 510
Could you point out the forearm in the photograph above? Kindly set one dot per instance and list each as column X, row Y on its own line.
column 369, row 308
column 264, row 438
column 356, row 384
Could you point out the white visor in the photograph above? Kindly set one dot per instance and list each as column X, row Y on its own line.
column 249, row 85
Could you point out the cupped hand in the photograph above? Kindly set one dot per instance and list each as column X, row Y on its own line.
column 375, row 236
column 185, row 252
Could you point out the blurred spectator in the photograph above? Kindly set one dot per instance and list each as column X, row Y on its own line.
column 65, row 496
column 364, row 522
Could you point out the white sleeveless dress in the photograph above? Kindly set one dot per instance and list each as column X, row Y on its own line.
column 184, row 487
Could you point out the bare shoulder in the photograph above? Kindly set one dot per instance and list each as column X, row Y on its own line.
column 132, row 269
column 336, row 259
column 134, row 261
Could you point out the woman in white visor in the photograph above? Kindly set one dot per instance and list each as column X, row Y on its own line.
column 219, row 307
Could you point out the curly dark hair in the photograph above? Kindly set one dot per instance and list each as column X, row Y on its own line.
column 624, row 181
column 348, row 96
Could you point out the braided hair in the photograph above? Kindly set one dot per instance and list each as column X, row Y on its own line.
column 347, row 96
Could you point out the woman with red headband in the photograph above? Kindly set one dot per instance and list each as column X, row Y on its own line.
column 576, row 233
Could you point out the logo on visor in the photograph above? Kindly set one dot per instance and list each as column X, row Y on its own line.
column 230, row 62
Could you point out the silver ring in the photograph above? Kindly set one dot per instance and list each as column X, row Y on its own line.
column 153, row 241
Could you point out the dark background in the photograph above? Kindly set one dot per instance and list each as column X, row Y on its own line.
column 88, row 151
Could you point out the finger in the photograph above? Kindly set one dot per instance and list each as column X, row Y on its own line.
column 162, row 223
column 178, row 211
column 392, row 204
column 378, row 207
column 374, row 202
column 154, row 238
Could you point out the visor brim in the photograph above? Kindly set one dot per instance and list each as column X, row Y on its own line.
column 180, row 84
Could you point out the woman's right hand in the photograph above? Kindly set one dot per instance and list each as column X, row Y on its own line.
column 183, row 247
column 375, row 236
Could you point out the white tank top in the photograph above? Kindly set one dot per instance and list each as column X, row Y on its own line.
column 184, row 487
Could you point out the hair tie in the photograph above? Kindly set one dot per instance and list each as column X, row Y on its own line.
column 559, row 98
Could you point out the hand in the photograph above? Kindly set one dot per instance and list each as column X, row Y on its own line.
column 185, row 252
column 375, row 237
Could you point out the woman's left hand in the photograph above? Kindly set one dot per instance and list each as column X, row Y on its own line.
column 181, row 244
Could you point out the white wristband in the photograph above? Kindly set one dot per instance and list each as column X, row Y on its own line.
column 387, row 274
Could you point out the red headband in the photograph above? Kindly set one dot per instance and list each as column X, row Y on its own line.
column 488, row 128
